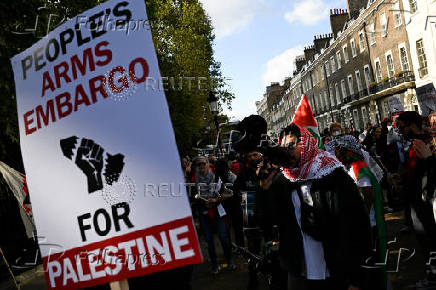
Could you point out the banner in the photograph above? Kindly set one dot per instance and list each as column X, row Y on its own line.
column 102, row 166
column 395, row 104
column 18, row 185
column 426, row 96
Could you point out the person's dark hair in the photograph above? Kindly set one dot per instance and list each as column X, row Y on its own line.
column 411, row 117
column 232, row 155
column 292, row 129
column 221, row 168
column 253, row 129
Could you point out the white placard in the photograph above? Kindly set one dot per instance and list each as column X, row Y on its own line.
column 99, row 151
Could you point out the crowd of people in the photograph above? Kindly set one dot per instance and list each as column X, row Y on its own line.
column 324, row 202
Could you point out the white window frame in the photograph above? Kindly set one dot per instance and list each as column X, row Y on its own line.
column 372, row 34
column 362, row 41
column 339, row 59
column 353, row 47
column 377, row 75
column 343, row 89
column 403, row 46
column 337, row 93
column 389, row 53
column 367, row 77
column 364, row 116
column 398, row 21
column 422, row 59
column 356, row 119
column 413, row 6
column 333, row 63
column 358, row 81
column 346, row 53
column 383, row 25
column 327, row 68
column 332, row 96
column 350, row 84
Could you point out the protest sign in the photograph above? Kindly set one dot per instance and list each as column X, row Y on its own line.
column 93, row 140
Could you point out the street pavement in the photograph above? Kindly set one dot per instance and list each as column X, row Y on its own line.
column 403, row 271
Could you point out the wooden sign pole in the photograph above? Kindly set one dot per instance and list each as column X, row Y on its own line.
column 9, row 269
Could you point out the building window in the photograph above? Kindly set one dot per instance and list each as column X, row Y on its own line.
column 339, row 59
column 322, row 73
column 383, row 25
column 361, row 41
column 358, row 80
column 378, row 72
column 344, row 90
column 333, row 64
column 422, row 59
column 397, row 14
column 338, row 94
column 345, row 49
column 372, row 38
column 327, row 68
column 364, row 116
column 353, row 48
column 356, row 120
column 390, row 64
column 413, row 6
column 350, row 84
column 332, row 97
column 404, row 59
column 367, row 75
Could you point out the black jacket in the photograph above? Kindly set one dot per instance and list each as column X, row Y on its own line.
column 338, row 217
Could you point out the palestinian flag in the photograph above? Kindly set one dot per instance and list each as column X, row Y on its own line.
column 304, row 118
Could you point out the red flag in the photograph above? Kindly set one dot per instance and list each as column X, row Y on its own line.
column 304, row 114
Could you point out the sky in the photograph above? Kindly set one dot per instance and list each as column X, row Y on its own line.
column 258, row 40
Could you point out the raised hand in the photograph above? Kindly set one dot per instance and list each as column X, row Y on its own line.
column 89, row 159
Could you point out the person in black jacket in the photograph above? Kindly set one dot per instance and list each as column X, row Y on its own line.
column 323, row 224
column 420, row 190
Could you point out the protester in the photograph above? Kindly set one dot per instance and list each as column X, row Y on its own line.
column 253, row 128
column 432, row 119
column 235, row 165
column 212, row 159
column 324, row 226
column 420, row 178
column 350, row 153
column 233, row 204
column 211, row 213
column 335, row 129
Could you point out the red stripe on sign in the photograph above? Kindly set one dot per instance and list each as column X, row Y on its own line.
column 142, row 252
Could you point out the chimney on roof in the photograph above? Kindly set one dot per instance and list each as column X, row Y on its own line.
column 337, row 21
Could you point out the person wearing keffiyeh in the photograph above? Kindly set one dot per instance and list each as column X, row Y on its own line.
column 323, row 224
column 349, row 152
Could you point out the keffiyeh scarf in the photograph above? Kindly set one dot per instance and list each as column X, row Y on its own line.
column 314, row 162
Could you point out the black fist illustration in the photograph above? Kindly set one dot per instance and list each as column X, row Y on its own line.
column 89, row 158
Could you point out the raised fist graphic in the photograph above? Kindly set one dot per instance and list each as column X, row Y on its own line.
column 89, row 158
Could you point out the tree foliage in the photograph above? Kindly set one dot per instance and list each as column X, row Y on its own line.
column 183, row 38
